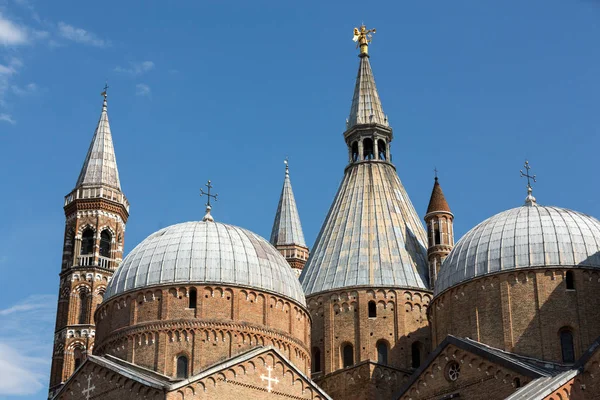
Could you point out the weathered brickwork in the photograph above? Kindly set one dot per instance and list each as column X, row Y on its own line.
column 522, row 312
column 477, row 378
column 341, row 318
column 84, row 275
column 152, row 328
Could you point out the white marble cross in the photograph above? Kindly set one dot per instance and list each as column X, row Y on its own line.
column 269, row 379
column 90, row 388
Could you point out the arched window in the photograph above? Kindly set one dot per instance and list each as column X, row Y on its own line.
column 437, row 237
column 347, row 355
column 193, row 298
column 182, row 367
column 105, row 241
column 372, row 309
column 355, row 151
column 570, row 280
column 417, row 354
column 87, row 242
column 316, row 360
column 78, row 357
column 368, row 149
column 382, row 150
column 566, row 344
column 83, row 306
column 382, row 352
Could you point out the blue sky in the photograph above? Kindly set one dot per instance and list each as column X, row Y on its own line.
column 226, row 90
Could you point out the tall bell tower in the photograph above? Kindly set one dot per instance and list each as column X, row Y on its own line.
column 96, row 212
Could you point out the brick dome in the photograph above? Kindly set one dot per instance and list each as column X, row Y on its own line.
column 206, row 252
column 530, row 236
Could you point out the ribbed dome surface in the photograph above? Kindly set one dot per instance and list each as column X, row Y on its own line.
column 372, row 236
column 523, row 237
column 206, row 252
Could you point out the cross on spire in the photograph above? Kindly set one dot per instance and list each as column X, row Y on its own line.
column 435, row 171
column 208, row 217
column 105, row 91
column 526, row 174
column 269, row 380
column 529, row 200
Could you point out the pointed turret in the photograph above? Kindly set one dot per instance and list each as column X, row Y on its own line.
column 368, row 270
column 287, row 236
column 440, row 230
column 366, row 107
column 100, row 165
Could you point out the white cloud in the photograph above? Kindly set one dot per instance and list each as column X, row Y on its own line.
column 141, row 89
column 10, row 33
column 136, row 68
column 26, row 345
column 80, row 35
column 7, row 73
column 7, row 118
column 28, row 89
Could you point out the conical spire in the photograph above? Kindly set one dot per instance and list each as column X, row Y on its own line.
column 366, row 107
column 287, row 229
column 100, row 165
column 437, row 202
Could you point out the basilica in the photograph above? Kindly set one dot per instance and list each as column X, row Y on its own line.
column 385, row 305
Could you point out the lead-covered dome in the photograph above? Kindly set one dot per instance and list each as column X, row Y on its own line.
column 530, row 236
column 206, row 252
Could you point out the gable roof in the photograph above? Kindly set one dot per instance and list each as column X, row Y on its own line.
column 539, row 388
column 158, row 381
column 519, row 364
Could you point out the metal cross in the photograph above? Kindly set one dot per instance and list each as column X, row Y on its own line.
column 269, row 379
column 207, row 193
column 86, row 392
column 104, row 92
column 435, row 172
column 526, row 174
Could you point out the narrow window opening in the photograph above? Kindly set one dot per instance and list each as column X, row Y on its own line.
column 83, row 307
column 416, row 352
column 570, row 280
column 355, row 151
column 372, row 309
column 87, row 242
column 77, row 354
column 105, row 242
column 316, row 360
column 436, row 233
column 517, row 382
column 382, row 353
column 566, row 344
column 368, row 149
column 381, row 149
column 348, row 355
column 182, row 367
column 193, row 298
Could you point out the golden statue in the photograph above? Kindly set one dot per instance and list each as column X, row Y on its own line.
column 363, row 37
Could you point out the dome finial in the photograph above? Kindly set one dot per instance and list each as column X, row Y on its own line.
column 287, row 167
column 362, row 37
column 529, row 200
column 435, row 171
column 208, row 217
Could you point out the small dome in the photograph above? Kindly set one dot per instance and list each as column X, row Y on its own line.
column 206, row 252
column 523, row 237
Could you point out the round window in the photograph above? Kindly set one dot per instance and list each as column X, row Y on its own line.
column 452, row 371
